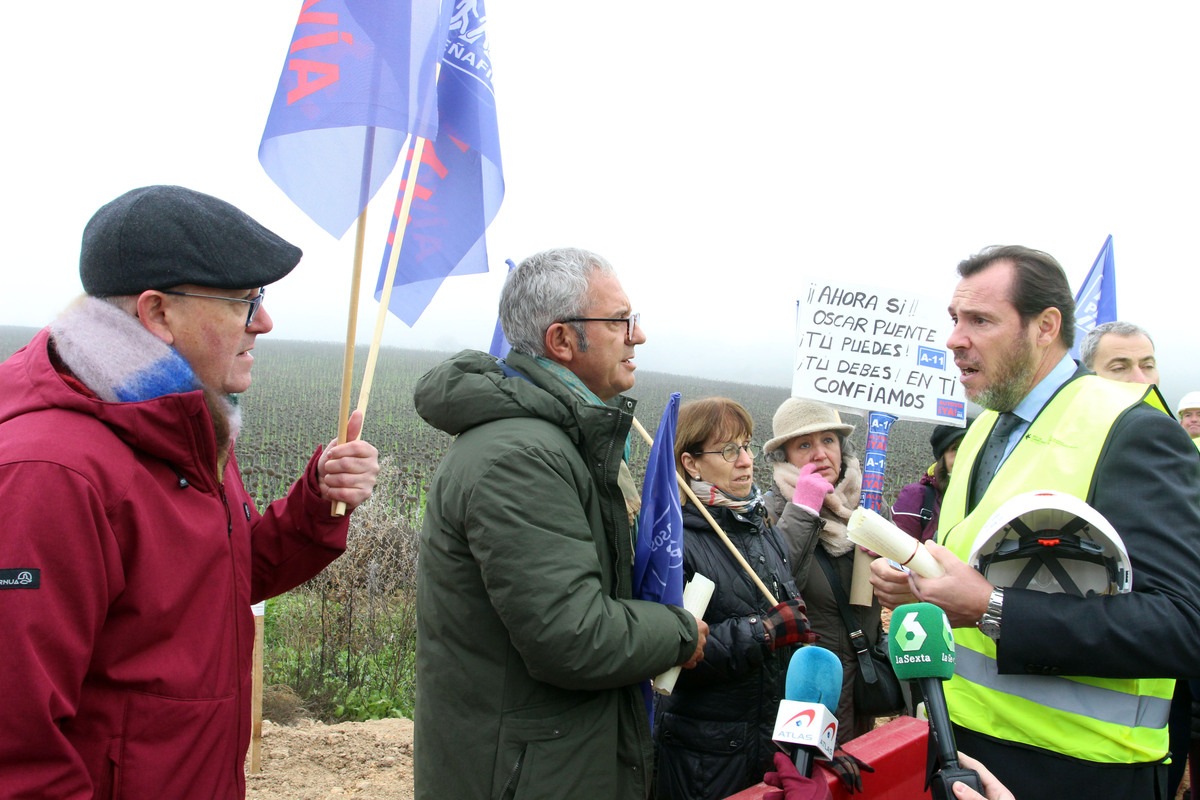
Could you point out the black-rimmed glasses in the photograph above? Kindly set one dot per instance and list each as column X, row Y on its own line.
column 731, row 451
column 255, row 302
column 631, row 322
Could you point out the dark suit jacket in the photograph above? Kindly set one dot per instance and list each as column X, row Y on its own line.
column 1147, row 484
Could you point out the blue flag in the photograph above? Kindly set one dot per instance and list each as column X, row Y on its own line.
column 500, row 346
column 1096, row 301
column 359, row 77
column 460, row 183
column 658, row 553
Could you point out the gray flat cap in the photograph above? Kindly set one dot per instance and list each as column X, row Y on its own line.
column 156, row 237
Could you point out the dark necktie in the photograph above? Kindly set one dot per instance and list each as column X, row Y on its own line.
column 993, row 451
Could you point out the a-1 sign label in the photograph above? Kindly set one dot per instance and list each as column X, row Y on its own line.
column 864, row 348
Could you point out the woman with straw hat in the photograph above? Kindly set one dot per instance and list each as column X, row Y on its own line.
column 818, row 484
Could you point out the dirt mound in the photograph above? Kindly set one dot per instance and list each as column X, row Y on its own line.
column 312, row 761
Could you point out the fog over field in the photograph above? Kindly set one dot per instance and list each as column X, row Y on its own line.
column 292, row 408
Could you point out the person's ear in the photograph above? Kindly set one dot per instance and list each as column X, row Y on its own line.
column 1049, row 325
column 689, row 465
column 154, row 311
column 561, row 343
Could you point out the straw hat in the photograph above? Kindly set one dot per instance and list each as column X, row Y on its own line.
column 796, row 417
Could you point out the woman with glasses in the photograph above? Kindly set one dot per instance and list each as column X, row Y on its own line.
column 818, row 484
column 713, row 733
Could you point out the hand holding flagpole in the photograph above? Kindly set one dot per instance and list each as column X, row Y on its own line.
column 364, row 391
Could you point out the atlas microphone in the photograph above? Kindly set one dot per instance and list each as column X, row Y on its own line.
column 806, row 717
column 921, row 647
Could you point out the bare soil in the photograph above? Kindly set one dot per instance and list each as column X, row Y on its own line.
column 313, row 761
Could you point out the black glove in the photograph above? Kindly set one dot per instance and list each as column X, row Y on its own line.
column 847, row 769
column 786, row 624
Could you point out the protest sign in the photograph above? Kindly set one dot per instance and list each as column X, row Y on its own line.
column 866, row 349
column 863, row 348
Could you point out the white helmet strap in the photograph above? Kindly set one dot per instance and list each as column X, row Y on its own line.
column 1045, row 549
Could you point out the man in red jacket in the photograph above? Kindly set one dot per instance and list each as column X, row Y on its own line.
column 130, row 551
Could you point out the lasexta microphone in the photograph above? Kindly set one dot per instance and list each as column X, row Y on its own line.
column 807, row 716
column 921, row 647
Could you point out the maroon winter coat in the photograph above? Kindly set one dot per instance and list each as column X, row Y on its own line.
column 127, row 571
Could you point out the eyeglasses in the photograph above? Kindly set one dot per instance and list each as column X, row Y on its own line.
column 631, row 322
column 731, row 451
column 255, row 302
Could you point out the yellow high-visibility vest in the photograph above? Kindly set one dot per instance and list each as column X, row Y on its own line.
column 1110, row 720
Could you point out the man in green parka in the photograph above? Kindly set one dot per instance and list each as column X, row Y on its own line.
column 529, row 644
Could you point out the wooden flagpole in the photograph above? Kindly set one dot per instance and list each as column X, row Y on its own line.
column 410, row 188
column 364, row 392
column 716, row 528
column 360, row 235
column 256, row 691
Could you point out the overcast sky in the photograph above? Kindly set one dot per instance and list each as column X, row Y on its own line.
column 716, row 153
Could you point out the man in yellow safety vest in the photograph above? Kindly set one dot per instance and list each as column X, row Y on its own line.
column 1061, row 695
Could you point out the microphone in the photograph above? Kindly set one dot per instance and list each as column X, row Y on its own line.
column 921, row 647
column 806, row 717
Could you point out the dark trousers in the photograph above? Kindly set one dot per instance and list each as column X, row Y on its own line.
column 1031, row 773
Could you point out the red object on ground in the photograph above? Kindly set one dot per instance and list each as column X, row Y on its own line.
column 897, row 752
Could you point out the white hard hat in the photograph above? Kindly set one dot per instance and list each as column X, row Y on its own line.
column 1052, row 542
column 1189, row 400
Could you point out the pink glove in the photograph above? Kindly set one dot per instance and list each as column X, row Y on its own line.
column 811, row 488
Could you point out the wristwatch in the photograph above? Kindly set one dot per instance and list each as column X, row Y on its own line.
column 989, row 623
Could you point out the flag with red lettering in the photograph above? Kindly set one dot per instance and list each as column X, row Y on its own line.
column 359, row 77
column 460, row 182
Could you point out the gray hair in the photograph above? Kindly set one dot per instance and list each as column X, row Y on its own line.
column 1091, row 342
column 125, row 302
column 545, row 288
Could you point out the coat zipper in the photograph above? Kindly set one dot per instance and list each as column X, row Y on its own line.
column 237, row 636
column 510, row 784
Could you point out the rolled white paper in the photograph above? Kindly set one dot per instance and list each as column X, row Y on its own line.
column 696, row 595
column 861, row 593
column 867, row 529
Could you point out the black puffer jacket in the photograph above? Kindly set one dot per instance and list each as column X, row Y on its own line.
column 713, row 734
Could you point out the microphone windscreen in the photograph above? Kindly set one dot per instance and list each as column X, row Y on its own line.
column 920, row 642
column 814, row 676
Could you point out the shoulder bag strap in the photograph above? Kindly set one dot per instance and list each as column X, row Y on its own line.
column 927, row 507
column 858, row 639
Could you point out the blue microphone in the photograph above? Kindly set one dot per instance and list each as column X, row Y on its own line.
column 814, row 676
column 814, row 679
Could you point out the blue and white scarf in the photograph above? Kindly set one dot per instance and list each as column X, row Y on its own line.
column 111, row 353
